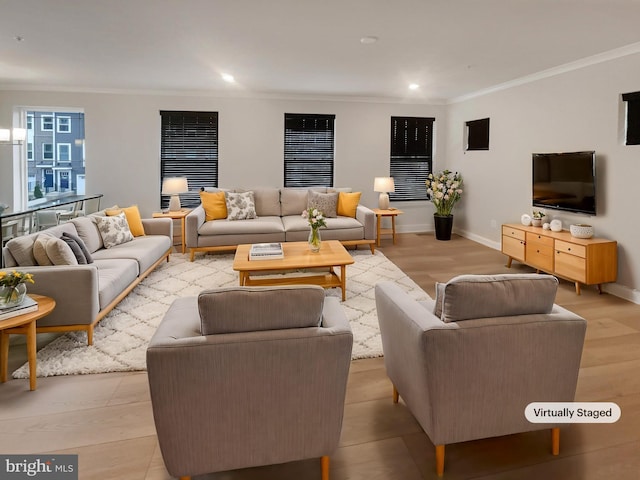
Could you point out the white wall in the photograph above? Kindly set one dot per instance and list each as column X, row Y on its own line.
column 578, row 110
column 123, row 143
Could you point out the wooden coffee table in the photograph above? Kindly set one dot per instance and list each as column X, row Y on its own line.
column 297, row 256
column 26, row 325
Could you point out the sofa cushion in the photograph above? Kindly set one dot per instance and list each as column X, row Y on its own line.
column 267, row 201
column 40, row 249
column 248, row 309
column 133, row 219
column 240, row 206
column 144, row 250
column 348, row 204
column 327, row 203
column 59, row 252
column 88, row 232
column 114, row 275
column 293, row 200
column 482, row 296
column 81, row 245
column 214, row 204
column 21, row 248
column 113, row 230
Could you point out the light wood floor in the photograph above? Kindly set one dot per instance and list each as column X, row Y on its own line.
column 107, row 419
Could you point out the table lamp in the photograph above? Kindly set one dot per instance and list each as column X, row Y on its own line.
column 174, row 186
column 383, row 185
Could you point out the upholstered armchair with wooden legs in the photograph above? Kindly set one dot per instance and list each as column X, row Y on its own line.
column 467, row 364
column 249, row 376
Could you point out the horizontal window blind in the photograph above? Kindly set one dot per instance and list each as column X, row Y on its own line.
column 633, row 118
column 411, row 156
column 189, row 148
column 308, row 150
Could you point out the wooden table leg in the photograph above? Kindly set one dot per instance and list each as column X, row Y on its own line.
column 31, row 354
column 393, row 228
column 183, row 235
column 379, row 219
column 343, row 281
column 4, row 356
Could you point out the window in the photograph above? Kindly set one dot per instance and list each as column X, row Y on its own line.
column 308, row 150
column 29, row 150
column 46, row 123
column 64, row 152
column 478, row 134
column 411, row 156
column 189, row 148
column 632, row 131
column 29, row 122
column 47, row 151
column 64, row 124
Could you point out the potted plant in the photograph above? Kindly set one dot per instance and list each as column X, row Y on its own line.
column 537, row 218
column 444, row 190
column 13, row 287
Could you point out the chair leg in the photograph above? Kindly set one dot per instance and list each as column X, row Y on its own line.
column 396, row 395
column 555, row 441
column 439, row 460
column 324, row 466
column 185, row 478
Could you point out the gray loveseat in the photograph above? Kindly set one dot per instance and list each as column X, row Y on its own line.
column 278, row 220
column 84, row 294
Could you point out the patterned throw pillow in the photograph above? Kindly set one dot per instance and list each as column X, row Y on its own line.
column 240, row 206
column 113, row 230
column 327, row 203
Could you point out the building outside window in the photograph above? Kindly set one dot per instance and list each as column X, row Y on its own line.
column 47, row 151
column 64, row 152
column 29, row 150
column 46, row 123
column 64, row 124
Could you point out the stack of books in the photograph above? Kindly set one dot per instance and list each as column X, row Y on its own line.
column 265, row 251
column 28, row 305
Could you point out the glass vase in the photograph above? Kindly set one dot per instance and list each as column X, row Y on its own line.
column 314, row 240
column 12, row 296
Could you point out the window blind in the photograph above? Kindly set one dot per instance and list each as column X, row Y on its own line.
column 189, row 148
column 411, row 156
column 633, row 118
column 308, row 150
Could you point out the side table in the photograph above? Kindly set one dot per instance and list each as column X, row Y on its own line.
column 24, row 324
column 178, row 215
column 386, row 231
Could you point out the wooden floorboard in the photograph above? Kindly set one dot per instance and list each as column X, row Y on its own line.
column 107, row 419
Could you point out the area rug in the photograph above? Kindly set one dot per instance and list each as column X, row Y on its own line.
column 121, row 338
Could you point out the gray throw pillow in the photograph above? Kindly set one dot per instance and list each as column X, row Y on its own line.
column 113, row 230
column 327, row 203
column 240, row 206
column 85, row 251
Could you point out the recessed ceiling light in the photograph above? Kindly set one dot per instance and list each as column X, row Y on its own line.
column 228, row 78
column 369, row 39
column 414, row 86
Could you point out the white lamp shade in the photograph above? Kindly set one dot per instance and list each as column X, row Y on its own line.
column 19, row 134
column 174, row 185
column 383, row 184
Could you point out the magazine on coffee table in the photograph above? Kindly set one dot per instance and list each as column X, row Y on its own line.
column 265, row 251
column 28, row 305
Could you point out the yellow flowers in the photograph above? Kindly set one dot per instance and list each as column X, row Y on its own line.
column 15, row 278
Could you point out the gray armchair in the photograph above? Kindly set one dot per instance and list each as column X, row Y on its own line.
column 468, row 363
column 249, row 376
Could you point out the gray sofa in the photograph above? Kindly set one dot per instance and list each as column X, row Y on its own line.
column 242, row 377
column 468, row 363
column 84, row 294
column 278, row 220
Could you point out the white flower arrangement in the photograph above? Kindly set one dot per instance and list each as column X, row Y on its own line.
column 444, row 190
column 315, row 218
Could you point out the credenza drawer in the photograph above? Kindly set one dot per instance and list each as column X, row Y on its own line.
column 571, row 248
column 539, row 256
column 570, row 266
column 513, row 233
column 513, row 247
column 540, row 239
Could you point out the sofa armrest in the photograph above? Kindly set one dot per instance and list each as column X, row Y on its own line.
column 158, row 226
column 367, row 218
column 74, row 288
column 193, row 222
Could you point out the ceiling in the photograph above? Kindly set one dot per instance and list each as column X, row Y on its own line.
column 451, row 48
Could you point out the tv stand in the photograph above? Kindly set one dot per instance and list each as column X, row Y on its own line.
column 589, row 261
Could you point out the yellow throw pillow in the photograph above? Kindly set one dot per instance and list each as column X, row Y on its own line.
column 133, row 219
column 348, row 204
column 214, row 204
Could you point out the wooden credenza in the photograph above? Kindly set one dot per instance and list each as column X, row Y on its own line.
column 591, row 261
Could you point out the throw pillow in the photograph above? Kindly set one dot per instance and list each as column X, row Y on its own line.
column 75, row 249
column 348, row 204
column 327, row 203
column 81, row 244
column 214, row 204
column 114, row 230
column 40, row 249
column 60, row 253
column 133, row 219
column 240, row 206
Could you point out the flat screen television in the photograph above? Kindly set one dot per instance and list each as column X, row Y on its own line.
column 565, row 181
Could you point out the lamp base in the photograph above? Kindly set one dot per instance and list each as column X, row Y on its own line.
column 174, row 203
column 383, row 201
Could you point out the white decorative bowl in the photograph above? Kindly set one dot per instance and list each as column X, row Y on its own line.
column 556, row 225
column 525, row 220
column 581, row 230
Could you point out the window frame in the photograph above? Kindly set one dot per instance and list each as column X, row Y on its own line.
column 59, row 153
column 59, row 124
column 43, row 121
column 44, row 152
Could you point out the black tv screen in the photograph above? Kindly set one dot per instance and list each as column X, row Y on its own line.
column 565, row 181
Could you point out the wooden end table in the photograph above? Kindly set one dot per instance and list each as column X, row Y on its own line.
column 24, row 324
column 386, row 231
column 179, row 215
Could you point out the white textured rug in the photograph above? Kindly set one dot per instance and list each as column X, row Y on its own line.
column 120, row 339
